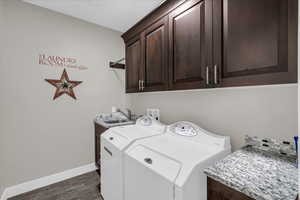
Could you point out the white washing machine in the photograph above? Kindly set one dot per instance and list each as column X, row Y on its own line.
column 170, row 166
column 113, row 144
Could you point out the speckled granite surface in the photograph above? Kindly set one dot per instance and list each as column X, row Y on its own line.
column 258, row 174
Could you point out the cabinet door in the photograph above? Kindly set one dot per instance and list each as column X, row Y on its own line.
column 255, row 42
column 134, row 62
column 190, row 35
column 155, row 48
column 218, row 191
column 98, row 132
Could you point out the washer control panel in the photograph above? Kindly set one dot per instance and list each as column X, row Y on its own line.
column 145, row 121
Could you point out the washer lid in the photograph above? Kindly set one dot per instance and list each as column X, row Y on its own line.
column 162, row 165
column 113, row 138
column 144, row 127
column 190, row 154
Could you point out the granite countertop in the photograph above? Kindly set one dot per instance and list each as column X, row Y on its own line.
column 258, row 174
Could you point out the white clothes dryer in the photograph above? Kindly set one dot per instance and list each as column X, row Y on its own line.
column 170, row 166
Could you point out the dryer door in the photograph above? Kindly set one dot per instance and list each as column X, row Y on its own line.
column 149, row 175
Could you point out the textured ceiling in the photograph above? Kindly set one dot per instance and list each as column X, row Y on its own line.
column 119, row 15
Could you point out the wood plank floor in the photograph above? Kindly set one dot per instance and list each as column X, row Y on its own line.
column 84, row 187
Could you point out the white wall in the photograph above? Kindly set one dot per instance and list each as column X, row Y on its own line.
column 1, row 134
column 40, row 136
column 267, row 111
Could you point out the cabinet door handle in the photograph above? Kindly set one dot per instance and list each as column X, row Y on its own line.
column 207, row 75
column 139, row 85
column 216, row 74
column 143, row 85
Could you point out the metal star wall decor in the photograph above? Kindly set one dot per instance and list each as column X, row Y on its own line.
column 64, row 85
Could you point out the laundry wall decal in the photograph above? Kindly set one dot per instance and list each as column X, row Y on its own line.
column 64, row 85
column 60, row 61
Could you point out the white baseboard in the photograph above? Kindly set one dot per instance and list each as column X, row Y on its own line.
column 45, row 181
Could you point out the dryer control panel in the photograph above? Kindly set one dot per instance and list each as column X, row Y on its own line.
column 191, row 131
column 184, row 129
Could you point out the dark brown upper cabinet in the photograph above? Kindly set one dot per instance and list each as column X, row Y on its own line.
column 191, row 44
column 255, row 42
column 134, row 62
column 155, row 71
column 147, row 59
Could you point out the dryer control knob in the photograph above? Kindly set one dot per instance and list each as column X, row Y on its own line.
column 148, row 160
column 184, row 129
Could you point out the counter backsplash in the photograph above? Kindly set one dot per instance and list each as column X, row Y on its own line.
column 284, row 148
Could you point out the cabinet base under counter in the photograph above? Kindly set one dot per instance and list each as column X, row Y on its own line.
column 219, row 191
column 99, row 130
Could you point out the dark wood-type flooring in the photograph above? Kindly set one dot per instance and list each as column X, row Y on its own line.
column 84, row 187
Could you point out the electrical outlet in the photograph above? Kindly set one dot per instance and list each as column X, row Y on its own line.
column 154, row 113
